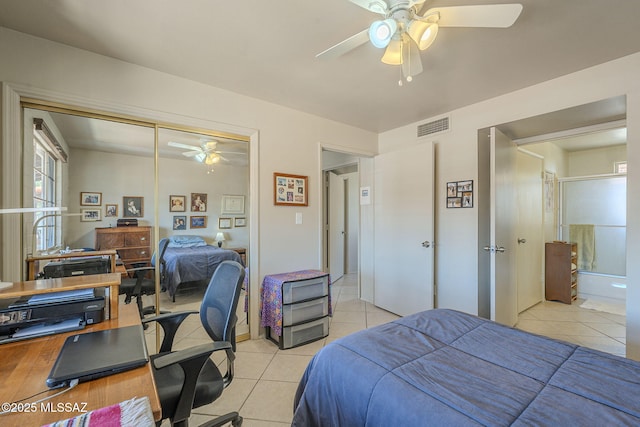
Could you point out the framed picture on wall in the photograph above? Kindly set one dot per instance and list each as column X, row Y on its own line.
column 224, row 222
column 180, row 222
column 240, row 222
column 133, row 207
column 90, row 215
column 460, row 194
column 110, row 210
column 198, row 222
column 232, row 205
column 290, row 190
column 198, row 202
column 90, row 198
column 177, row 203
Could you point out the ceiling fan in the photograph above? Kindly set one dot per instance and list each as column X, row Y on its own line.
column 206, row 153
column 405, row 30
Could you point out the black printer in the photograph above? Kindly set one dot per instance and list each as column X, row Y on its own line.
column 77, row 267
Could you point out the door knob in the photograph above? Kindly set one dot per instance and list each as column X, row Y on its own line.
column 426, row 244
column 500, row 249
column 522, row 241
column 488, row 248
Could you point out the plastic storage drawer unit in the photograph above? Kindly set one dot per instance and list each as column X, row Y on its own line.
column 303, row 333
column 301, row 290
column 303, row 311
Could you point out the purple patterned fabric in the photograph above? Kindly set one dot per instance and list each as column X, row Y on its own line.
column 271, row 300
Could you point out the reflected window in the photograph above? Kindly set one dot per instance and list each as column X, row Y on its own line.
column 44, row 193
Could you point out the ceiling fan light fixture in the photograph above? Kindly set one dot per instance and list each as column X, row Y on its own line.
column 211, row 159
column 200, row 157
column 381, row 32
column 423, row 33
column 393, row 53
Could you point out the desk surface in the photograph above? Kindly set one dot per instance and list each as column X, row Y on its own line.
column 25, row 365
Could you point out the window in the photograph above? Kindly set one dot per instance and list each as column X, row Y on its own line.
column 620, row 167
column 44, row 195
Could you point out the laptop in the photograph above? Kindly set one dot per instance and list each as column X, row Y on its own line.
column 97, row 354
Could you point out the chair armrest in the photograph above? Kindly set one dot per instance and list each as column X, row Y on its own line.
column 191, row 362
column 190, row 354
column 170, row 323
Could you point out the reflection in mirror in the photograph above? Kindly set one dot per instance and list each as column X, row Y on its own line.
column 103, row 172
column 203, row 185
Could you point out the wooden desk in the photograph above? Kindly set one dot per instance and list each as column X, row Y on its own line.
column 33, row 287
column 25, row 365
column 33, row 262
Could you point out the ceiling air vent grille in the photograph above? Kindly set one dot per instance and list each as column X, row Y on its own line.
column 436, row 126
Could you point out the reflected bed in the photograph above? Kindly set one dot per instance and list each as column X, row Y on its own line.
column 189, row 264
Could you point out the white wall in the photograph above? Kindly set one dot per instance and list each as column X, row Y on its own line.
column 456, row 158
column 119, row 175
column 597, row 161
column 282, row 139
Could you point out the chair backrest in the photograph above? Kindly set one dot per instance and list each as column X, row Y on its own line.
column 220, row 301
column 162, row 247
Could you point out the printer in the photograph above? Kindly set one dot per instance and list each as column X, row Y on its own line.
column 49, row 313
column 77, row 267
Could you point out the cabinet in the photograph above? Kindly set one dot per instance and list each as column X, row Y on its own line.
column 296, row 307
column 133, row 244
column 561, row 272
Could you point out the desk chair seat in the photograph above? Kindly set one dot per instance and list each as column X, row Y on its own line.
column 188, row 378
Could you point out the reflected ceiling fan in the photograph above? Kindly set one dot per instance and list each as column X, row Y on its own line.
column 206, row 153
column 405, row 30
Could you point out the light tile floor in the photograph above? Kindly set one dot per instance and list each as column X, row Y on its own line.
column 266, row 377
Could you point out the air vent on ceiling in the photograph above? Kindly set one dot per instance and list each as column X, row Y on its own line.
column 436, row 126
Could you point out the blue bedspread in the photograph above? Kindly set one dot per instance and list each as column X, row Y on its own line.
column 192, row 264
column 446, row 368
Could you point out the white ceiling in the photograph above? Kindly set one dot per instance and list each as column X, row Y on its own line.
column 266, row 49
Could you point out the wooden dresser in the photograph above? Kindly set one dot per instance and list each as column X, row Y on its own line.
column 561, row 272
column 133, row 244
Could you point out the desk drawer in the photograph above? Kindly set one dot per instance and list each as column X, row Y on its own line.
column 301, row 290
column 134, row 254
column 139, row 238
column 296, row 335
column 304, row 311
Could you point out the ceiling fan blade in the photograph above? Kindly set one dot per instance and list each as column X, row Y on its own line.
column 488, row 16
column 345, row 46
column 181, row 145
column 375, row 6
column 191, row 153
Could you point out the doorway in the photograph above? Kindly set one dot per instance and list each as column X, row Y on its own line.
column 340, row 214
column 548, row 129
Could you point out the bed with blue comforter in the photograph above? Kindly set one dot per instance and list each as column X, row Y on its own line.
column 192, row 263
column 447, row 368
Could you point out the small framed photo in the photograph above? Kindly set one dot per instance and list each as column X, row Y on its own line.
column 198, row 222
column 180, row 222
column 239, row 222
column 110, row 210
column 132, row 207
column 232, row 205
column 460, row 194
column 224, row 222
column 198, row 202
column 90, row 198
column 290, row 190
column 177, row 203
column 90, row 214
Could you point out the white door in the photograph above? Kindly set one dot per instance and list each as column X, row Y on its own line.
column 503, row 217
column 336, row 226
column 403, row 230
column 529, row 233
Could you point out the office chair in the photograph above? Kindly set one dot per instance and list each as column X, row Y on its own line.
column 138, row 284
column 188, row 378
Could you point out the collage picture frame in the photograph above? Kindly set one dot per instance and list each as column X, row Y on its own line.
column 460, row 194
